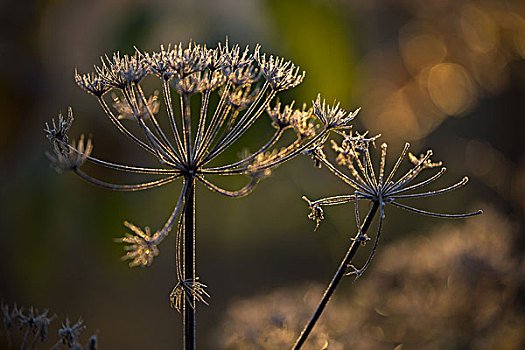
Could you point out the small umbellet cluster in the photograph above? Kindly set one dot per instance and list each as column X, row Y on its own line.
column 31, row 327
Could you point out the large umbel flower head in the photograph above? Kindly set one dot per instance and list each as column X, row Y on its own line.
column 246, row 83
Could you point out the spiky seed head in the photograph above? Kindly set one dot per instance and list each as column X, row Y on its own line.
column 280, row 74
column 142, row 246
column 92, row 83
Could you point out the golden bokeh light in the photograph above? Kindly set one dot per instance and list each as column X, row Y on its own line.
column 420, row 47
column 478, row 29
column 451, row 88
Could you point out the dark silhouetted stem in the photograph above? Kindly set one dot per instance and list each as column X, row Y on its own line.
column 189, row 263
column 337, row 277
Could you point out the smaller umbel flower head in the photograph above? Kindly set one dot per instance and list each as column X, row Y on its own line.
column 142, row 246
column 380, row 189
column 92, row 83
column 66, row 156
column 69, row 333
column 333, row 117
column 118, row 72
column 280, row 74
column 125, row 111
column 191, row 290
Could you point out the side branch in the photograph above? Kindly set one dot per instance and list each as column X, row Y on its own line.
column 337, row 277
column 235, row 194
column 127, row 188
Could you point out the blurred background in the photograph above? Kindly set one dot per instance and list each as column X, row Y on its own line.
column 442, row 74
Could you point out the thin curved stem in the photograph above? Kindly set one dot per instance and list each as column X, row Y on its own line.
column 123, row 167
column 356, row 185
column 169, row 106
column 202, row 121
column 437, row 215
column 126, row 188
column 186, row 125
column 162, row 152
column 238, row 130
column 248, row 159
column 206, row 141
column 337, row 277
column 234, row 194
column 433, row 193
column 156, row 123
column 420, row 184
column 121, row 127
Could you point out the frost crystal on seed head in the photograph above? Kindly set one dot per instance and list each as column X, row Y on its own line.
column 142, row 246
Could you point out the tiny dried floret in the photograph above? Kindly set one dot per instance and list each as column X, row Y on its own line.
column 234, row 59
column 70, row 333
column 240, row 99
column 142, row 246
column 316, row 213
column 160, row 62
column 118, row 72
column 424, row 160
column 215, row 59
column 125, row 111
column 70, row 157
column 189, row 60
column 192, row 290
column 59, row 130
column 281, row 118
column 92, row 83
column 245, row 75
column 211, row 80
column 258, row 168
column 280, row 74
column 189, row 84
column 333, row 117
column 302, row 122
column 358, row 142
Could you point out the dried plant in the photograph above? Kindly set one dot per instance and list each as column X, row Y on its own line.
column 194, row 141
column 381, row 189
column 35, row 329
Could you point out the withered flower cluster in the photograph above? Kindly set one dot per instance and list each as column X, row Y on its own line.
column 246, row 84
column 373, row 184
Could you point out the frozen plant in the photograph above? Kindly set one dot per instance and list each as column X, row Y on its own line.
column 245, row 83
column 35, row 329
column 372, row 184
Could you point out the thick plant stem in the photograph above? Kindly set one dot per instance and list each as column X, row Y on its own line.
column 337, row 277
column 189, row 264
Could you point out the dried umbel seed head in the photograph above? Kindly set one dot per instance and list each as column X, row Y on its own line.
column 69, row 333
column 316, row 214
column 333, row 117
column 281, row 117
column 125, row 111
column 92, row 83
column 189, row 290
column 233, row 86
column 58, row 131
column 70, row 157
column 280, row 74
column 119, row 72
column 141, row 245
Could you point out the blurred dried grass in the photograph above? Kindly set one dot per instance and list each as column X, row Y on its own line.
column 455, row 288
